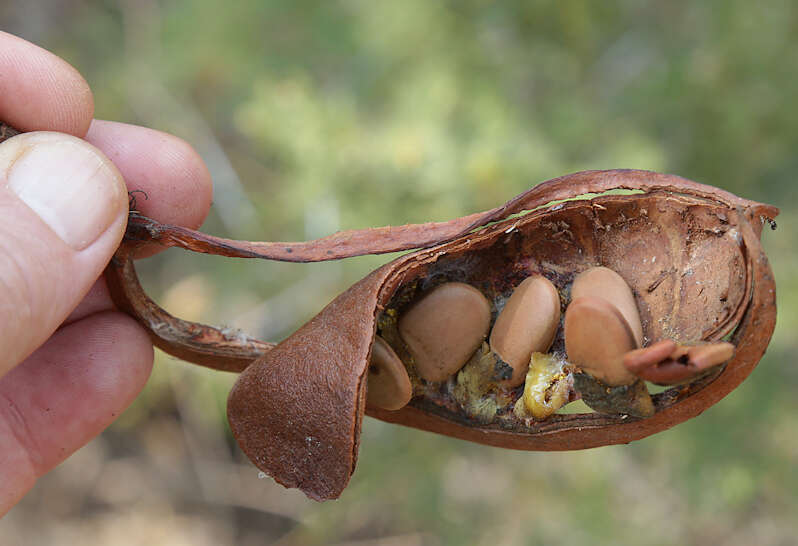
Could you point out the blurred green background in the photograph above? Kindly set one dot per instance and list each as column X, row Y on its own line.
column 320, row 116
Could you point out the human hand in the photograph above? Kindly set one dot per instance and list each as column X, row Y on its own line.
column 69, row 362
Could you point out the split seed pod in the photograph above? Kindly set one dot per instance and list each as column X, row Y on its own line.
column 690, row 253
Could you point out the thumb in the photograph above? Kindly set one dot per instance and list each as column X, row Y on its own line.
column 63, row 208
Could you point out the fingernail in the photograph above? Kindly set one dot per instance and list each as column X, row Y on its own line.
column 70, row 185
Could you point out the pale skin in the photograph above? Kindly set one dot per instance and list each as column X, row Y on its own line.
column 76, row 362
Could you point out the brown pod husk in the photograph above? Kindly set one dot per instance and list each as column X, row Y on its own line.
column 690, row 253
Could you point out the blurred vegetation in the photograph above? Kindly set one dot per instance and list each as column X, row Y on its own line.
column 320, row 116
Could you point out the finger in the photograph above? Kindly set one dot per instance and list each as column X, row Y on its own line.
column 66, row 393
column 163, row 166
column 40, row 91
column 167, row 169
column 63, row 208
column 171, row 174
column 96, row 300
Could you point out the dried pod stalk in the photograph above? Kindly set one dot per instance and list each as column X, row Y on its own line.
column 690, row 253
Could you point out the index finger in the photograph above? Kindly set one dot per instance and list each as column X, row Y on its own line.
column 41, row 91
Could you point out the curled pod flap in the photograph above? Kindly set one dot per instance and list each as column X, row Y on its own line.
column 297, row 411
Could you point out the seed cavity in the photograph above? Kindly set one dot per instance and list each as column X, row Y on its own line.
column 517, row 370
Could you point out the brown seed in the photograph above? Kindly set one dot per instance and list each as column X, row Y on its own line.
column 597, row 337
column 526, row 325
column 667, row 363
column 444, row 328
column 679, row 354
column 388, row 384
column 706, row 356
column 641, row 359
column 602, row 282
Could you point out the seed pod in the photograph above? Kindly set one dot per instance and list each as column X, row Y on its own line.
column 526, row 325
column 690, row 253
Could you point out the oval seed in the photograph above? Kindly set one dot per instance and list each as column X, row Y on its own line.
column 526, row 325
column 597, row 337
column 639, row 360
column 682, row 364
column 444, row 328
column 602, row 282
column 711, row 354
column 679, row 354
column 388, row 385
